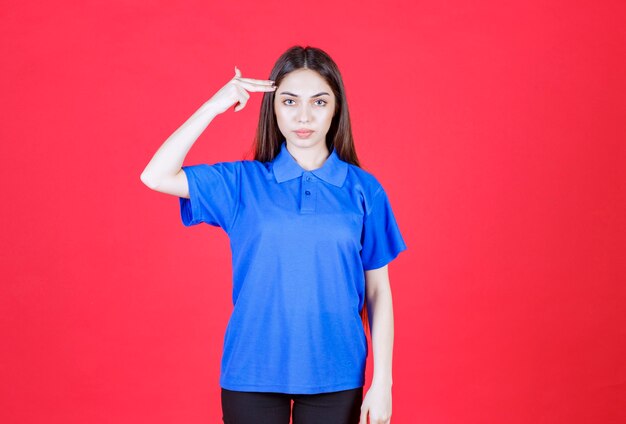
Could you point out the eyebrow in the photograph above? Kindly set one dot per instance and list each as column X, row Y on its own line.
column 316, row 95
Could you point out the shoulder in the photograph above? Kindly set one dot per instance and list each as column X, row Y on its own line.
column 235, row 170
column 239, row 166
column 362, row 180
column 365, row 186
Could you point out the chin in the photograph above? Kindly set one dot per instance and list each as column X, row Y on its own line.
column 303, row 142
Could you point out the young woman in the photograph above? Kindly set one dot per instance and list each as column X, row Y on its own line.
column 311, row 235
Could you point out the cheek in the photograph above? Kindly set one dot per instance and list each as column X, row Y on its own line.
column 280, row 115
column 328, row 114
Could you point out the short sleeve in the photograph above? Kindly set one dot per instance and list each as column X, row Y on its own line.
column 213, row 194
column 381, row 240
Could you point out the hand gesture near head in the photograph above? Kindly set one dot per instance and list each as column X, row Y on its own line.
column 164, row 171
column 236, row 91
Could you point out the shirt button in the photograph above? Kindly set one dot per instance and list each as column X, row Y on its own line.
column 308, row 178
column 307, row 192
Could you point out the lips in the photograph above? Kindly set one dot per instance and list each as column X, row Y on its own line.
column 302, row 133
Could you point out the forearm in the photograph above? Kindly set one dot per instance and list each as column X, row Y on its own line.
column 169, row 158
column 380, row 312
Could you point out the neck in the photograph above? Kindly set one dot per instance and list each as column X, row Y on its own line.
column 309, row 158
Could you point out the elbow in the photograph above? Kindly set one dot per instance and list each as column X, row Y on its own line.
column 147, row 181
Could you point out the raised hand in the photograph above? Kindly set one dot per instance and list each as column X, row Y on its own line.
column 236, row 91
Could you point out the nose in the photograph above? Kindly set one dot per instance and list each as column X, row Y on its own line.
column 304, row 113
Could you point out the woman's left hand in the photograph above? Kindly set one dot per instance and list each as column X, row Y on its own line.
column 376, row 404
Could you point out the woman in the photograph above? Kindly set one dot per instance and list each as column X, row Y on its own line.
column 311, row 235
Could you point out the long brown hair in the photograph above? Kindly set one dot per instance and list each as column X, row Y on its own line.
column 268, row 136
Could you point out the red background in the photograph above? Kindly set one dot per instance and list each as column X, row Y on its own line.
column 496, row 127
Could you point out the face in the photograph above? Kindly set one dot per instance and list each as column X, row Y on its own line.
column 304, row 101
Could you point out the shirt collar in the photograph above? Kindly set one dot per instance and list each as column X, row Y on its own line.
column 334, row 170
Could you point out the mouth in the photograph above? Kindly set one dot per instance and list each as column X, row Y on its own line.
column 303, row 133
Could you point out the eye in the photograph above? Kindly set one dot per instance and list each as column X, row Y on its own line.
column 288, row 100
column 324, row 102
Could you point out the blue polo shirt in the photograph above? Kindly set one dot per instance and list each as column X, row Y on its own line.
column 300, row 242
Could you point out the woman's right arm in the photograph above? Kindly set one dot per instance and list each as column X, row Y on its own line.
column 164, row 171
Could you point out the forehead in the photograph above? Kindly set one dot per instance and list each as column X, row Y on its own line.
column 305, row 82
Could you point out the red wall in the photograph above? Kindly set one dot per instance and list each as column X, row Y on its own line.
column 497, row 128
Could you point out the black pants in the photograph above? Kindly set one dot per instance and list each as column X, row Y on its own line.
column 342, row 407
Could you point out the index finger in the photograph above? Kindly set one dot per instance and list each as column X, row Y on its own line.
column 255, row 81
column 250, row 86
